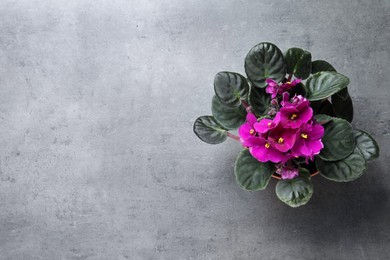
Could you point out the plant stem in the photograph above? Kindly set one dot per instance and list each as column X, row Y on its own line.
column 234, row 137
column 246, row 105
column 290, row 77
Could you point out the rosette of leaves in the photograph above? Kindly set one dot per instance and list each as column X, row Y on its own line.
column 346, row 150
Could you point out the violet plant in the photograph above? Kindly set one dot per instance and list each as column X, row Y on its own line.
column 293, row 118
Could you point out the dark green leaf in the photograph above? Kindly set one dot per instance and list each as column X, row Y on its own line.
column 264, row 60
column 324, row 84
column 251, row 174
column 298, row 62
column 321, row 65
column 229, row 117
column 304, row 173
column 338, row 140
column 322, row 119
column 230, row 88
column 299, row 89
column 209, row 130
column 367, row 145
column 295, row 192
column 326, row 108
column 347, row 169
column 342, row 105
column 259, row 100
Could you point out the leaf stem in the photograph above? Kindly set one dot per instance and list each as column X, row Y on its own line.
column 290, row 77
column 246, row 105
column 234, row 137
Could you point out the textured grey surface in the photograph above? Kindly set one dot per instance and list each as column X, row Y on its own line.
column 98, row 159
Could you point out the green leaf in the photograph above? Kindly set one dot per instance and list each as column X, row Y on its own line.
column 209, row 130
column 298, row 62
column 295, row 192
column 325, row 108
column 259, row 100
column 322, row 119
column 338, row 140
column 230, row 88
column 342, row 105
column 251, row 174
column 324, row 84
column 347, row 169
column 304, row 173
column 321, row 65
column 229, row 117
column 265, row 60
column 367, row 145
column 299, row 89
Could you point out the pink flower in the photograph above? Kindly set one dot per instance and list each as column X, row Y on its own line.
column 308, row 142
column 281, row 138
column 263, row 151
column 273, row 88
column 264, row 125
column 247, row 130
column 294, row 114
column 287, row 172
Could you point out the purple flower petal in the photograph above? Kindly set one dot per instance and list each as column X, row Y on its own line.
column 245, row 131
column 305, row 115
column 315, row 146
column 264, row 125
column 259, row 152
column 251, row 118
column 317, row 132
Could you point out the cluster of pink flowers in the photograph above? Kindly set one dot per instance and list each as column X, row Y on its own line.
column 290, row 134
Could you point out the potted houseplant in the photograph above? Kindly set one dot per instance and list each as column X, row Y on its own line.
column 293, row 118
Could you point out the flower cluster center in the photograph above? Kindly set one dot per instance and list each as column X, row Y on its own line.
column 304, row 136
column 252, row 131
column 267, row 145
column 280, row 140
column 293, row 116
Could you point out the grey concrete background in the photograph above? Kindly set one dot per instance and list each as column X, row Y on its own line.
column 97, row 155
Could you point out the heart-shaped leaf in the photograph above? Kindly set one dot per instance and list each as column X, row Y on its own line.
column 342, row 105
column 209, row 130
column 338, row 140
column 324, row 84
column 295, row 192
column 367, row 145
column 259, row 100
column 229, row 117
column 265, row 60
column 321, row 65
column 298, row 62
column 347, row 169
column 251, row 174
column 230, row 88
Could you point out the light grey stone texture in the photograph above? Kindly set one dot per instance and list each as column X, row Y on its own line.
column 97, row 155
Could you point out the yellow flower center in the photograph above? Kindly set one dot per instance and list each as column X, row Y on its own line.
column 267, row 145
column 293, row 116
column 252, row 132
column 280, row 140
column 269, row 124
column 304, row 136
column 288, row 82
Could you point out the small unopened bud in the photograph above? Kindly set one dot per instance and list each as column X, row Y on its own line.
column 274, row 102
column 272, row 112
